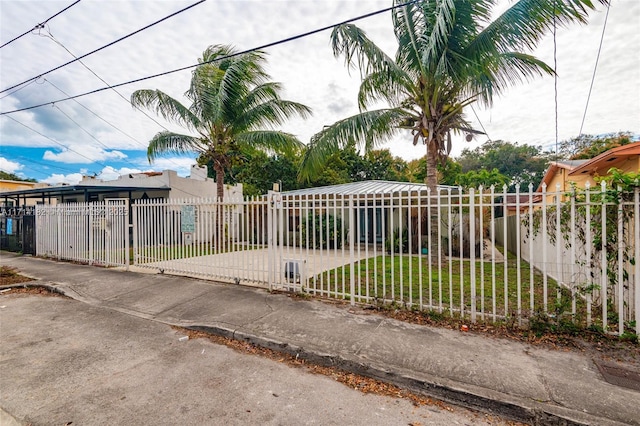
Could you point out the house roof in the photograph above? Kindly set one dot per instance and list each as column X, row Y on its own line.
column 56, row 191
column 607, row 160
column 557, row 165
column 378, row 187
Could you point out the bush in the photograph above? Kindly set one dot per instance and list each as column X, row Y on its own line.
column 322, row 239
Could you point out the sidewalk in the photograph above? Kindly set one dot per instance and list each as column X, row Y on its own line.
column 507, row 377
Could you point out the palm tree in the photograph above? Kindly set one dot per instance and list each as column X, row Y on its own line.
column 232, row 101
column 451, row 53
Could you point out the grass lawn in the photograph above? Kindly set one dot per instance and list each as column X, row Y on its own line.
column 409, row 281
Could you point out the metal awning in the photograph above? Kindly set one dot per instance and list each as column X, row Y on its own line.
column 377, row 187
column 77, row 190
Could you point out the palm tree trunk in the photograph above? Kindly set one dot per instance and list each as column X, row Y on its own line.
column 219, row 237
column 431, row 180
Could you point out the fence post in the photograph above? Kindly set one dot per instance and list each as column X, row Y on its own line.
column 125, row 223
column 472, row 252
column 270, row 242
column 352, row 268
column 636, row 284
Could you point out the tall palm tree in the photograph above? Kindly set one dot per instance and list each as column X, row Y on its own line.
column 232, row 101
column 451, row 53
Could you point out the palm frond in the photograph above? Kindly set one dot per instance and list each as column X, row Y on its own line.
column 173, row 143
column 368, row 130
column 165, row 106
column 358, row 50
column 269, row 141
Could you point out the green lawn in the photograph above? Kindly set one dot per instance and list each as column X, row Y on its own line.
column 408, row 281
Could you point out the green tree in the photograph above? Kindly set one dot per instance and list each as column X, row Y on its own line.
column 521, row 164
column 232, row 102
column 483, row 177
column 451, row 53
column 585, row 147
column 12, row 176
column 380, row 164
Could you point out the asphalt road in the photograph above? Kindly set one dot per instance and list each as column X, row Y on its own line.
column 63, row 362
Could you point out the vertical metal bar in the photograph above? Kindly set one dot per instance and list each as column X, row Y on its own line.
column 482, row 235
column 450, row 246
column 401, row 245
column 603, row 258
column 375, row 246
column 410, row 248
column 544, row 231
column 270, row 248
column 505, row 215
column 337, row 243
column 419, row 248
column 636, row 285
column 573, row 252
column 518, row 256
column 438, row 233
column 461, row 250
column 588, row 247
column 352, row 225
column 621, row 244
column 559, row 262
column 472, row 254
column 530, row 233
column 493, row 253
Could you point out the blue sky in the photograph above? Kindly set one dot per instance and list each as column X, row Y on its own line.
column 102, row 134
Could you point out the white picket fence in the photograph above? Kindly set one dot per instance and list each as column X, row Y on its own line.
column 96, row 233
column 377, row 248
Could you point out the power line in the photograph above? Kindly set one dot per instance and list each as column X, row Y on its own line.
column 105, row 46
column 244, row 52
column 96, row 115
column 39, row 25
column 595, row 68
column 49, row 35
column 479, row 121
column 56, row 142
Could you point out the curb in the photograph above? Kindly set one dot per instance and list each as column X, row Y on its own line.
column 536, row 414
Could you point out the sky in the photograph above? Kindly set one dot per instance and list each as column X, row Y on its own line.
column 102, row 135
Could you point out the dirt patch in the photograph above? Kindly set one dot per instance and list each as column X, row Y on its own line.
column 10, row 276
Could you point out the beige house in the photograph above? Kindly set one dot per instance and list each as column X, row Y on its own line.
column 563, row 175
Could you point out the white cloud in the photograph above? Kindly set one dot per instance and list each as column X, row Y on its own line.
column 9, row 166
column 58, row 179
column 110, row 173
column 179, row 164
column 85, row 155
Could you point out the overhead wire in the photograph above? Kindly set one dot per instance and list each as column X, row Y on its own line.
column 480, row 121
column 105, row 46
column 244, row 52
column 593, row 77
column 56, row 142
column 51, row 37
column 40, row 24
column 96, row 115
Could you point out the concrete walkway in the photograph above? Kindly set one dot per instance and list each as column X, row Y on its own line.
column 508, row 377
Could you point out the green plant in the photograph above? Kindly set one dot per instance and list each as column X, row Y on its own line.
column 323, row 231
column 398, row 243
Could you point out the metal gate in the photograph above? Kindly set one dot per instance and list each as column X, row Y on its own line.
column 17, row 229
column 96, row 233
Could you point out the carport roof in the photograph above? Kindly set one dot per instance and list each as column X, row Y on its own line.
column 366, row 187
column 56, row 191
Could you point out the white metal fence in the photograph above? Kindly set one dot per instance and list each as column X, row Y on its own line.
column 572, row 255
column 202, row 237
column 96, row 233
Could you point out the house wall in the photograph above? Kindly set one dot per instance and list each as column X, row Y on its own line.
column 195, row 186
